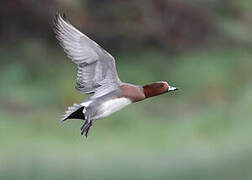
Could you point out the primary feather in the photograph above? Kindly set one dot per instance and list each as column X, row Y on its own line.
column 96, row 67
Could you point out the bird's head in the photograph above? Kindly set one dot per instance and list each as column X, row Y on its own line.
column 157, row 88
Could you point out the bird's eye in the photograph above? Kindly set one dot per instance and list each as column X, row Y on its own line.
column 161, row 85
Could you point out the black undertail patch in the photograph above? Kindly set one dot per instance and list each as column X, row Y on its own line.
column 77, row 114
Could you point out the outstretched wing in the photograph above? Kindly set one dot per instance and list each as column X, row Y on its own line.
column 96, row 67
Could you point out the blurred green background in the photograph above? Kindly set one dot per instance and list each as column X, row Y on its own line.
column 202, row 132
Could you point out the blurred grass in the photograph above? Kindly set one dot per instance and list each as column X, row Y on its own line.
column 201, row 132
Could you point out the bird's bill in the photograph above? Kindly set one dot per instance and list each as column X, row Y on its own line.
column 170, row 88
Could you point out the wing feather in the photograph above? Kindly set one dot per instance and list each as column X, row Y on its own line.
column 96, row 70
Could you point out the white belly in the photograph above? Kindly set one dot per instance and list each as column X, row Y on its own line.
column 112, row 106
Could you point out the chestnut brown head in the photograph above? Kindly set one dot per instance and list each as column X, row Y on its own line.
column 157, row 88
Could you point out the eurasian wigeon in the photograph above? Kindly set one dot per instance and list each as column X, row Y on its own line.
column 97, row 74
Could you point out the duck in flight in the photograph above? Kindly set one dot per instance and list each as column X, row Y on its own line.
column 97, row 75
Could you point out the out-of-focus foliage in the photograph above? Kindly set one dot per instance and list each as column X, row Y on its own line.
column 201, row 132
column 171, row 24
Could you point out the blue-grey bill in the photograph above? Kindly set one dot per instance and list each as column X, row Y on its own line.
column 170, row 88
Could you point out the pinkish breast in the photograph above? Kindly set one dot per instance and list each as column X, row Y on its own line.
column 132, row 92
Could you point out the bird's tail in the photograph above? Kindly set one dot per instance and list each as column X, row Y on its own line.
column 73, row 112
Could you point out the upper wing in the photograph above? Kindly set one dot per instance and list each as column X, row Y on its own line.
column 96, row 67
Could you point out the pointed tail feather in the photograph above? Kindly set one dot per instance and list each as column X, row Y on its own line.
column 73, row 112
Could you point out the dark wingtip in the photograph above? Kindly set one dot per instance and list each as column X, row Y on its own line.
column 58, row 15
column 55, row 20
column 64, row 16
